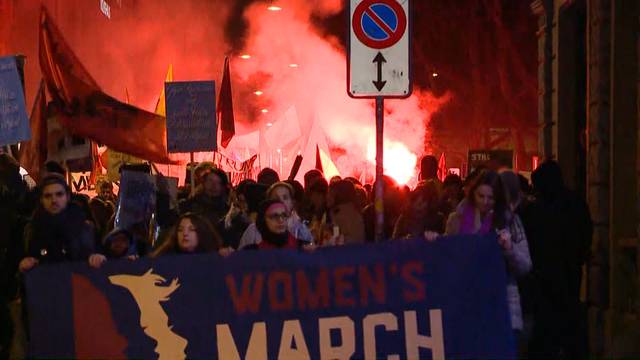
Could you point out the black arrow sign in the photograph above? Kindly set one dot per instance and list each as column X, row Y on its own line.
column 379, row 84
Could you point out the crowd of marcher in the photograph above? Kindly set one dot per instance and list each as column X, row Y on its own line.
column 544, row 231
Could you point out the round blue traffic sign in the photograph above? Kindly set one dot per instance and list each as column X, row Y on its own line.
column 379, row 24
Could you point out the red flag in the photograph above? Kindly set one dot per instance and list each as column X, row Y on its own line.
column 225, row 107
column 318, row 159
column 33, row 153
column 442, row 168
column 97, row 164
column 87, row 111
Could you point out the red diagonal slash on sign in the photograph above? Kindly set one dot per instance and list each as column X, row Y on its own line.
column 383, row 25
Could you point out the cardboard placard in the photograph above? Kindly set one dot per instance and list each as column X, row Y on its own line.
column 191, row 116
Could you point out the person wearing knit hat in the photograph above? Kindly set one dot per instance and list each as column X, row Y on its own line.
column 118, row 244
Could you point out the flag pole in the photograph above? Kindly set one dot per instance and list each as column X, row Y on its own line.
column 193, row 176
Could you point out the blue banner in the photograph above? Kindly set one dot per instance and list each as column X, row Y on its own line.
column 191, row 116
column 14, row 123
column 414, row 299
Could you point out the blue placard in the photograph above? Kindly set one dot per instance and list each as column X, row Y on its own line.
column 137, row 199
column 191, row 116
column 414, row 299
column 14, row 122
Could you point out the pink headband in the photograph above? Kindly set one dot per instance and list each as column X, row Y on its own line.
column 275, row 204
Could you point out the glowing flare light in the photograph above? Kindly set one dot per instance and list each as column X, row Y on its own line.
column 399, row 161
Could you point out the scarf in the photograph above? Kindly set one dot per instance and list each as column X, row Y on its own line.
column 468, row 224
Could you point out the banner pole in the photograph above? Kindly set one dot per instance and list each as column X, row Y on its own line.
column 193, row 176
column 379, row 189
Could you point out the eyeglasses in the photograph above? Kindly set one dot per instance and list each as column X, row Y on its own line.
column 278, row 216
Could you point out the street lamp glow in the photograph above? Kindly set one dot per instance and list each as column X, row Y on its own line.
column 435, row 74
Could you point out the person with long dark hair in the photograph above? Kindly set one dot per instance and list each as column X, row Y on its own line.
column 191, row 235
column 421, row 213
column 487, row 209
column 484, row 210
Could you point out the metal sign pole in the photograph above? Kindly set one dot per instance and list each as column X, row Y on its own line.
column 378, row 68
column 379, row 188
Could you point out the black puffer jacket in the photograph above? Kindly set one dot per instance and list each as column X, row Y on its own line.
column 62, row 237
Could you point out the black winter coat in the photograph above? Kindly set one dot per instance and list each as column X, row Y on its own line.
column 62, row 237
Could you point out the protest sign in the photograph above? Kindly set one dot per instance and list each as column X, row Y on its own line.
column 191, row 116
column 14, row 122
column 491, row 158
column 137, row 200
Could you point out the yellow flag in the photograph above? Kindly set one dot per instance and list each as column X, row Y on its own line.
column 160, row 106
column 328, row 167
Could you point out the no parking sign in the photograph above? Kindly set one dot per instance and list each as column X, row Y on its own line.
column 379, row 60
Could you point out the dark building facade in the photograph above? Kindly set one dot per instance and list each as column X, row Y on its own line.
column 588, row 115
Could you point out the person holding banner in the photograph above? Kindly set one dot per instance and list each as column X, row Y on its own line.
column 286, row 194
column 118, row 244
column 191, row 235
column 282, row 192
column 272, row 227
column 58, row 231
column 487, row 209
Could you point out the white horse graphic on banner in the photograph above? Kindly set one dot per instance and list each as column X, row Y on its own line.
column 148, row 293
